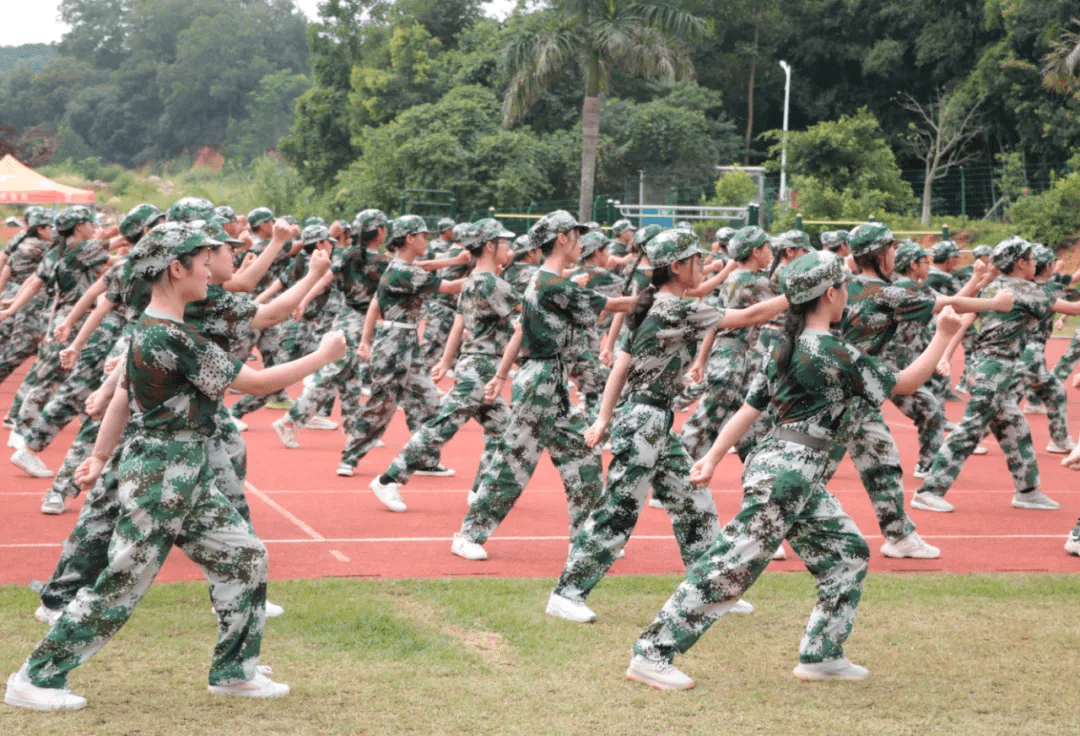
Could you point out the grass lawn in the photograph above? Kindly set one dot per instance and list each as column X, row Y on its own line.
column 970, row 654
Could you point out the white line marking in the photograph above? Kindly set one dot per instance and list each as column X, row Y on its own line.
column 284, row 512
column 340, row 557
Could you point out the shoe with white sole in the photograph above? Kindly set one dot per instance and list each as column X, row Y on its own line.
column 1036, row 500
column 921, row 471
column 27, row 460
column 285, row 404
column 468, row 549
column 1072, row 545
column 980, row 450
column 439, row 471
column 317, row 422
column 656, row 503
column 48, row 616
column 286, row 432
column 931, row 502
column 834, row 669
column 15, row 440
column 912, row 546
column 1056, row 449
column 260, row 686
column 24, row 694
column 273, row 610
column 779, row 554
column 561, row 607
column 52, row 504
column 657, row 673
column 240, row 424
column 739, row 606
column 471, row 497
column 388, row 494
column 345, row 470
column 378, row 443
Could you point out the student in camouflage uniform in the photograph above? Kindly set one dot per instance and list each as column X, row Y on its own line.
column 521, row 272
column 995, row 371
column 622, row 239
column 31, row 212
column 542, row 415
column 439, row 310
column 21, row 332
column 808, row 381
column 663, row 330
column 786, row 248
column 586, row 371
column 483, row 329
column 942, row 278
column 835, row 241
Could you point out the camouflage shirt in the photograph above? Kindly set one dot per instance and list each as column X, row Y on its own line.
column 912, row 336
column 13, row 244
column 552, row 307
column 665, row 343
column 175, row 377
column 452, row 273
column 1056, row 287
column 742, row 289
column 356, row 275
column 295, row 273
column 71, row 274
column 520, row 275
column 876, row 309
column 222, row 316
column 402, row 290
column 606, row 282
column 487, row 304
column 279, row 264
column 1002, row 335
column 131, row 295
column 942, row 282
column 24, row 261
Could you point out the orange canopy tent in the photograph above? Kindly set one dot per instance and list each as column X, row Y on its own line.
column 20, row 184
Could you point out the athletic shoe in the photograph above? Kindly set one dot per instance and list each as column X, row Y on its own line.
column 1036, row 500
column 961, row 389
column 378, row 443
column 264, row 669
column 439, row 471
column 273, row 610
column 950, row 426
column 388, row 494
column 980, row 450
column 286, row 432
column 48, row 616
column 951, row 397
column 921, row 471
column 15, row 440
column 260, row 686
column 779, row 554
column 471, row 498
column 53, row 504
column 1072, row 545
column 9, row 422
column 240, row 424
column 655, row 503
column 834, row 669
column 743, row 607
column 286, row 405
column 1031, row 408
column 24, row 694
column 317, row 422
column 931, row 502
column 561, row 607
column 468, row 549
column 27, row 460
column 1056, row 449
column 658, row 674
column 912, row 546
column 345, row 470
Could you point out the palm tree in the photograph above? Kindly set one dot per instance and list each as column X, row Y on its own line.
column 1062, row 64
column 643, row 38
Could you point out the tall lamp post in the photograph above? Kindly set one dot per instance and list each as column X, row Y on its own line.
column 783, row 144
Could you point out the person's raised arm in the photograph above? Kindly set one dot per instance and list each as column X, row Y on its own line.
column 86, row 302
column 268, row 380
column 1064, row 306
column 1000, row 302
column 451, row 287
column 248, row 278
column 755, row 314
column 374, row 314
column 711, row 283
column 948, row 327
column 69, row 354
column 619, row 304
column 5, row 276
column 281, row 307
column 437, row 264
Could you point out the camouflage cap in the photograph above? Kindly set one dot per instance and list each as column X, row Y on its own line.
column 592, row 242
column 1010, row 250
column 187, row 209
column 482, row 232
column 745, row 241
column 368, row 220
column 222, row 233
column 459, row 231
column 834, row 240
column 868, row 238
column 313, row 220
column 592, row 225
column 621, row 226
column 408, row 225
column 258, row 216
column 1043, row 255
column 673, row 245
column 553, row 224
column 944, row 250
column 907, row 253
column 40, row 217
column 138, row 217
column 647, row 233
column 523, row 244
column 315, row 233
column 31, row 210
column 684, row 225
column 810, row 275
column 72, row 216
column 724, row 234
column 225, row 212
column 444, row 224
column 618, row 248
column 214, row 232
column 980, row 250
column 792, row 239
column 163, row 245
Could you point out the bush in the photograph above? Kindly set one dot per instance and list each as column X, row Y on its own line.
column 1052, row 217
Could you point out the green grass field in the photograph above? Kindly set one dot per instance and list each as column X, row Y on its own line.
column 948, row 654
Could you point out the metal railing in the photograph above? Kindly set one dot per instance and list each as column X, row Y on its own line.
column 666, row 214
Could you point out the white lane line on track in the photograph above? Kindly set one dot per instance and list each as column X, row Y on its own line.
column 315, row 536
column 338, row 556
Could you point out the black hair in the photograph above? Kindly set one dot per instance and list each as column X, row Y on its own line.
column 549, row 247
column 780, row 254
column 32, row 232
column 794, row 324
column 644, row 301
column 1040, row 270
column 187, row 261
column 872, row 262
column 395, row 243
column 628, row 282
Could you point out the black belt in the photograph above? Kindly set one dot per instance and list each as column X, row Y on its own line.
column 649, row 400
column 801, row 438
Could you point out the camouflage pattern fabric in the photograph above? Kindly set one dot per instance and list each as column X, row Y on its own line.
column 520, row 275
column 1062, row 369
column 1040, row 383
column 586, row 371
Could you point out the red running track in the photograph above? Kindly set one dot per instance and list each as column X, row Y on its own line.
column 316, row 524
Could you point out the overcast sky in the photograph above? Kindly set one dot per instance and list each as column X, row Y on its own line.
column 37, row 21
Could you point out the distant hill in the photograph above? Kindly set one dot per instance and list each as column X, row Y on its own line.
column 31, row 56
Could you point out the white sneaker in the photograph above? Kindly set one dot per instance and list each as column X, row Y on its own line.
column 743, row 607
column 27, row 460
column 921, row 472
column 912, row 546
column 468, row 549
column 658, row 674
column 1072, row 546
column 931, row 502
column 345, row 470
column 52, row 504
column 471, row 498
column 388, row 494
column 655, row 503
column 286, row 432
column 1056, row 449
column 561, row 607
column 273, row 610
column 15, row 440
column 24, row 694
column 779, row 554
column 260, row 686
column 240, row 424
column 378, row 443
column 439, row 471
column 1036, row 500
column 317, row 422
column 834, row 669
column 48, row 616
column 980, row 450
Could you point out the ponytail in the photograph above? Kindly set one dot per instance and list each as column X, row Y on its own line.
column 776, row 260
column 794, row 324
column 628, row 283
column 872, row 262
column 644, row 301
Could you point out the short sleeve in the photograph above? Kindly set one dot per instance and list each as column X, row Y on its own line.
column 209, row 368
column 760, row 392
column 868, row 377
column 582, row 306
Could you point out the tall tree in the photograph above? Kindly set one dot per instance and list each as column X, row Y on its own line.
column 643, row 38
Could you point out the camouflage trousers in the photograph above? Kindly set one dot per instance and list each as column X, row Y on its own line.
column 80, row 449
column 866, row 436
column 397, row 377
column 783, row 498
column 20, row 336
column 1049, row 390
column 345, row 377
column 437, row 326
column 268, row 341
column 928, row 414
column 645, row 453
column 464, row 401
column 1068, row 360
column 590, row 376
column 541, row 416
column 168, row 498
column 723, row 395
column 992, row 406
column 43, row 379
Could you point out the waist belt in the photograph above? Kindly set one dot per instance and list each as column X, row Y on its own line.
column 649, row 400
column 402, row 325
column 801, row 438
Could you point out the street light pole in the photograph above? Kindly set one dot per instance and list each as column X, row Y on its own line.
column 783, row 144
